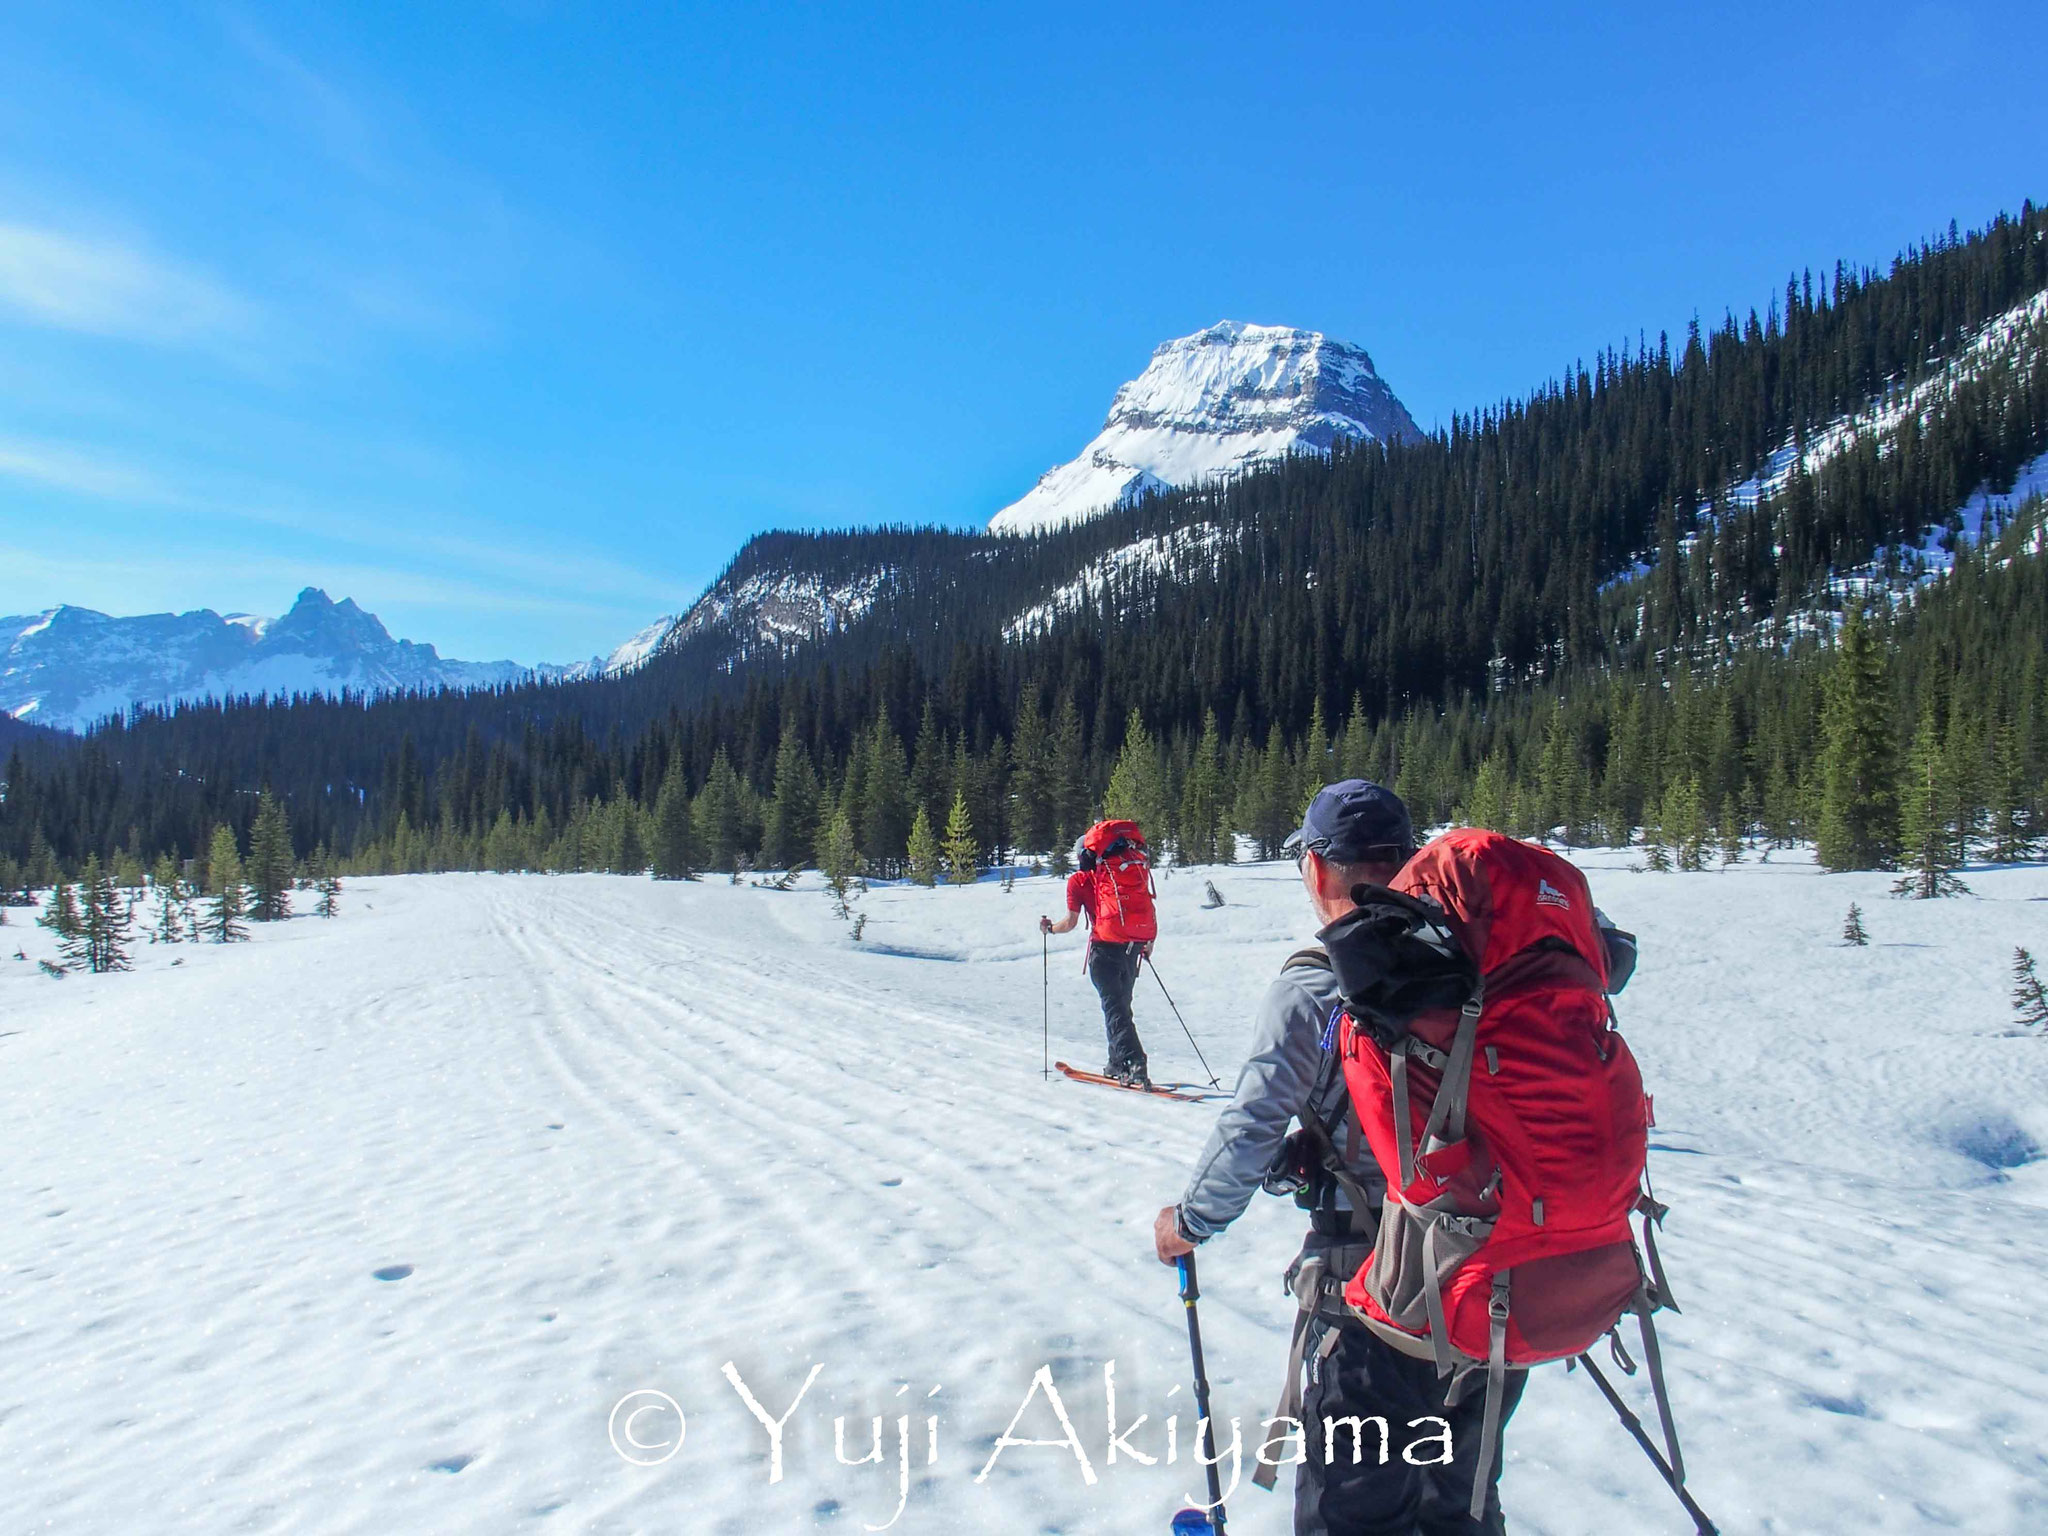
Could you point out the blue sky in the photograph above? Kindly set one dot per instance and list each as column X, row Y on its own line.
column 513, row 321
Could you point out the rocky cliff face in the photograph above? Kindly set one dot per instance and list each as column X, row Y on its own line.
column 1216, row 403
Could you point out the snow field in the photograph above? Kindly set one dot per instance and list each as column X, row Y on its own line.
column 608, row 1135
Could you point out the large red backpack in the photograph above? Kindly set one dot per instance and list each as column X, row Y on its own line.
column 1124, row 912
column 1506, row 1113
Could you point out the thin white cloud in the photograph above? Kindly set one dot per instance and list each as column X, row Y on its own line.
column 475, row 571
column 128, row 583
column 107, row 288
column 84, row 471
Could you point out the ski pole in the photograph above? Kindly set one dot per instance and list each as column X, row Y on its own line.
column 1634, row 1426
column 1045, row 993
column 1183, row 1022
column 1190, row 1293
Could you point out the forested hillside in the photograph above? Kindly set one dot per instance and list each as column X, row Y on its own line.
column 1613, row 605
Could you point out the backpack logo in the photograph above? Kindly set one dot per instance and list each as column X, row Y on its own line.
column 1548, row 895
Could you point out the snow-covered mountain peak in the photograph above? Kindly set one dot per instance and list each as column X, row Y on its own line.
column 69, row 666
column 1216, row 403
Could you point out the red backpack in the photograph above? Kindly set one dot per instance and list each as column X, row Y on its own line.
column 1506, row 1113
column 1124, row 912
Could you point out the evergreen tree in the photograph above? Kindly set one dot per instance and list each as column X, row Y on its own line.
column 224, row 918
column 792, row 822
column 270, row 861
column 326, row 884
column 2013, row 834
column 1852, row 929
column 1929, row 840
column 886, row 806
column 718, row 814
column 173, row 905
column 1266, row 808
column 960, row 851
column 1069, row 781
column 2029, row 998
column 63, row 919
column 1562, row 788
column 1318, row 765
column 1033, row 784
column 1137, row 785
column 1355, row 750
column 1204, row 836
column 1859, row 815
column 1488, row 803
column 931, row 768
column 924, row 850
column 839, row 862
column 674, row 834
column 105, row 921
column 1683, row 820
column 622, row 848
column 41, row 868
column 1729, row 829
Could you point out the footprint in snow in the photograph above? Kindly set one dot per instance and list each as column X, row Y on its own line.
column 391, row 1272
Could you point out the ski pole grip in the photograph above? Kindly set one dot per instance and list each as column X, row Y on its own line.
column 1189, row 1291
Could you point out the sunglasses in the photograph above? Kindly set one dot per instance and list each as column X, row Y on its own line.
column 1379, row 853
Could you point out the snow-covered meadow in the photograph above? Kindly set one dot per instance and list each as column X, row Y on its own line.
column 368, row 1225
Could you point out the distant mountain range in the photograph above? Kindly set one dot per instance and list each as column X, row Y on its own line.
column 68, row 667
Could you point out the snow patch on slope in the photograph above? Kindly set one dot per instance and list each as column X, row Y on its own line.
column 1184, row 553
column 1215, row 404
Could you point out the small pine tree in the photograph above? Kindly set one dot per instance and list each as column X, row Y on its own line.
column 675, row 829
column 2029, row 998
column 1929, row 839
column 62, row 918
column 106, row 920
column 960, row 851
column 1730, row 832
column 1852, row 930
column 224, row 918
column 270, row 862
column 924, row 850
column 172, row 905
column 1684, row 822
column 839, row 862
column 326, row 883
column 1491, row 801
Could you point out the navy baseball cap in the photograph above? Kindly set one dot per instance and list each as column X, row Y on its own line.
column 1355, row 821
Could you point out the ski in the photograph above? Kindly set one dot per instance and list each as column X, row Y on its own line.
column 1187, row 1093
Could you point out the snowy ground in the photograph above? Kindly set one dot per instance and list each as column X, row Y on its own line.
column 610, row 1135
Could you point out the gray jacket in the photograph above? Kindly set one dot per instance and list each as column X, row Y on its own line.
column 1293, row 1064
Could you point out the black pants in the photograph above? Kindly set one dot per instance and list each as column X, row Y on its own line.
column 1114, row 970
column 1366, row 1376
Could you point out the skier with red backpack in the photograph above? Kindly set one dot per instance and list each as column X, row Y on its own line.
column 1472, row 1142
column 1113, row 886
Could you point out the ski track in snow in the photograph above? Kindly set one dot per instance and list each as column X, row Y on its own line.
column 607, row 1134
